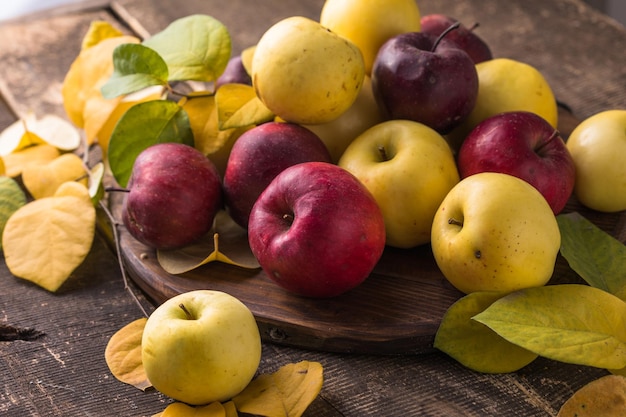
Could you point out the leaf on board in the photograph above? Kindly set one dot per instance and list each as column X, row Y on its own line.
column 123, row 355
column 592, row 253
column 285, row 393
column 195, row 48
column 135, row 67
column 226, row 242
column 31, row 130
column 33, row 155
column 246, row 58
column 3, row 168
column 43, row 180
column 570, row 323
column 96, row 183
column 11, row 198
column 473, row 344
column 239, row 106
column 603, row 397
column 16, row 136
column 143, row 125
column 98, row 31
column 60, row 232
column 215, row 409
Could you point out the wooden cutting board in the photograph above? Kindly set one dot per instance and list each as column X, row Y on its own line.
column 397, row 310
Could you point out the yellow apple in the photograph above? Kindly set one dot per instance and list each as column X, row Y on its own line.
column 409, row 168
column 363, row 114
column 369, row 23
column 305, row 73
column 598, row 147
column 201, row 346
column 495, row 232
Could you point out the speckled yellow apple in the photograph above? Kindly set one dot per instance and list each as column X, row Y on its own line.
column 409, row 168
column 305, row 73
column 598, row 147
column 201, row 346
column 369, row 23
column 495, row 232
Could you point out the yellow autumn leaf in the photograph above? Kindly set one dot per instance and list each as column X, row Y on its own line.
column 3, row 168
column 286, row 393
column 246, row 58
column 229, row 244
column 97, row 32
column 604, row 397
column 38, row 154
column 239, row 106
column 215, row 409
column 16, row 137
column 43, row 180
column 31, row 130
column 123, row 355
column 96, row 183
column 45, row 240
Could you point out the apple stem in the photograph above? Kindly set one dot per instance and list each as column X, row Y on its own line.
column 474, row 26
column 555, row 134
column 383, row 153
column 455, row 222
column 116, row 190
column 452, row 27
column 189, row 316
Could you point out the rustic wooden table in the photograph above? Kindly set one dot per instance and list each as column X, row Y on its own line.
column 63, row 372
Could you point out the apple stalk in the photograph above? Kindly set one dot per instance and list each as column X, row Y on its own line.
column 443, row 35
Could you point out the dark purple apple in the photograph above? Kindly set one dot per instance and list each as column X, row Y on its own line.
column 316, row 230
column 174, row 194
column 235, row 72
column 259, row 155
column 466, row 38
column 428, row 79
column 526, row 146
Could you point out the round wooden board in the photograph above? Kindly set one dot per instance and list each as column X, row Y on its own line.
column 397, row 310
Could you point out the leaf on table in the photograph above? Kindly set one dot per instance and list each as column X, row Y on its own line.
column 123, row 355
column 475, row 345
column 285, row 393
column 33, row 155
column 96, row 183
column 34, row 131
column 11, row 198
column 145, row 124
column 17, row 136
column 195, row 48
column 215, row 409
column 239, row 106
column 226, row 242
column 3, row 168
column 604, row 397
column 595, row 255
column 45, row 240
column 570, row 323
column 44, row 179
column 97, row 32
column 246, row 58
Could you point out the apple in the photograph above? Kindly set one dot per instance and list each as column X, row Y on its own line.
column 316, row 230
column 369, row 24
column 235, row 72
column 495, row 232
column 598, row 147
column 305, row 73
column 408, row 168
column 201, row 346
column 425, row 78
column 258, row 156
column 526, row 146
column 466, row 38
column 174, row 193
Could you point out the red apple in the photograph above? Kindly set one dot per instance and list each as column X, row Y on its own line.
column 524, row 145
column 466, row 38
column 259, row 155
column 174, row 194
column 316, row 230
column 428, row 79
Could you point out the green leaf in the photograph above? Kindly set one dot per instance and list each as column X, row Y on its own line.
column 596, row 256
column 239, row 106
column 145, row 124
column 195, row 47
column 570, row 323
column 12, row 197
column 475, row 345
column 135, row 67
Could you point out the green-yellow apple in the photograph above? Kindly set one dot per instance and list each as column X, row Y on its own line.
column 369, row 23
column 598, row 147
column 305, row 73
column 201, row 346
column 409, row 168
column 495, row 232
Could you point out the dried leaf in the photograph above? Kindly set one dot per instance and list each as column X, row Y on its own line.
column 229, row 244
column 45, row 240
column 98, row 31
column 239, row 106
column 17, row 136
column 33, row 131
column 215, row 409
column 11, row 198
column 604, row 397
column 246, row 58
column 123, row 355
column 3, row 168
column 473, row 344
column 286, row 393
column 38, row 154
column 43, row 180
column 570, row 323
column 595, row 255
column 96, row 184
